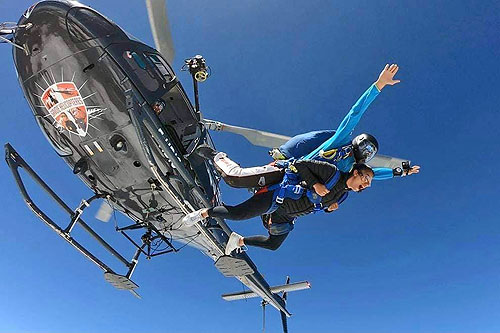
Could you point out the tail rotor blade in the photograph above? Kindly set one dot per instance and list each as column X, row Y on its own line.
column 284, row 293
column 284, row 322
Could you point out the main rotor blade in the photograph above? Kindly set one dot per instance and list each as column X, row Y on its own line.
column 256, row 137
column 272, row 140
column 382, row 161
column 160, row 28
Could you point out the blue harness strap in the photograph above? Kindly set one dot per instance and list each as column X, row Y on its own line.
column 336, row 154
column 342, row 198
column 284, row 164
column 290, row 188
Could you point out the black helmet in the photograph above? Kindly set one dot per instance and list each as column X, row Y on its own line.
column 365, row 146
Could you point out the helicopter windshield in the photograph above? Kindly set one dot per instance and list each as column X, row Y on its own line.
column 85, row 24
column 132, row 37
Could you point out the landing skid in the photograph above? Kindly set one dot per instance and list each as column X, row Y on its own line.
column 15, row 161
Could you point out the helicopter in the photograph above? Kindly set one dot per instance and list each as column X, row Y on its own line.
column 114, row 110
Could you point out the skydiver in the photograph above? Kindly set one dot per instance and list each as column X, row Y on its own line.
column 308, row 186
column 333, row 146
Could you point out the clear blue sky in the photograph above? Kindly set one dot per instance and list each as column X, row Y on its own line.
column 419, row 254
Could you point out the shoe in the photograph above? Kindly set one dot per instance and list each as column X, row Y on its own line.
column 219, row 156
column 233, row 243
column 205, row 151
column 192, row 218
column 277, row 155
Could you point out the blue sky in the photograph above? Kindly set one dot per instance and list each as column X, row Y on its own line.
column 418, row 254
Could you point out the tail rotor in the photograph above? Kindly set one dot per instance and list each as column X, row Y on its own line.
column 284, row 321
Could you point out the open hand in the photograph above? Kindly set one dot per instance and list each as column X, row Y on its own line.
column 413, row 170
column 386, row 77
column 320, row 189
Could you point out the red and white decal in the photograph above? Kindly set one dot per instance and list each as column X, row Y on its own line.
column 67, row 107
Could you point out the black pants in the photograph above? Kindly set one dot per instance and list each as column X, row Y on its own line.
column 255, row 206
column 270, row 242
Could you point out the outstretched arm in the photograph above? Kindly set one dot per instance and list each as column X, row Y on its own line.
column 388, row 173
column 343, row 132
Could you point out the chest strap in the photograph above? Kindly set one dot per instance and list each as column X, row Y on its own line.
column 290, row 188
column 315, row 198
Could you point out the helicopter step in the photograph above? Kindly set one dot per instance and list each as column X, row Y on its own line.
column 120, row 281
column 230, row 266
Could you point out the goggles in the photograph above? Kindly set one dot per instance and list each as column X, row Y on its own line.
column 368, row 150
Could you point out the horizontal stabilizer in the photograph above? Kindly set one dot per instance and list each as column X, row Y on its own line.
column 276, row 289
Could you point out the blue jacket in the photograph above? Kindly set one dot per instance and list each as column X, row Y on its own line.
column 337, row 148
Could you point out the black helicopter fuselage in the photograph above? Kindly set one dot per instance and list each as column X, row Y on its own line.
column 113, row 109
column 82, row 76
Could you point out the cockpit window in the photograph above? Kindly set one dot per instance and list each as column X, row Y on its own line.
column 138, row 60
column 161, row 66
column 84, row 24
column 144, row 72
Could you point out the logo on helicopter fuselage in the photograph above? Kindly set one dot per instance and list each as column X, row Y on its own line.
column 67, row 107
